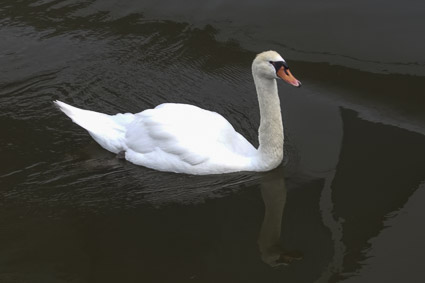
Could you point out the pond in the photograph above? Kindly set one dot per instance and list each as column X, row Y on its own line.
column 345, row 205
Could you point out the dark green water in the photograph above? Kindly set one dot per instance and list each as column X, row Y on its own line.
column 349, row 198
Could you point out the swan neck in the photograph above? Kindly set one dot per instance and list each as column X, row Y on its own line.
column 270, row 132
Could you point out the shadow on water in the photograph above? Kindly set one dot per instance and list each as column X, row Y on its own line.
column 389, row 98
column 378, row 170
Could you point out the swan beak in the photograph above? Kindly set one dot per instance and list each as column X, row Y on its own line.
column 286, row 75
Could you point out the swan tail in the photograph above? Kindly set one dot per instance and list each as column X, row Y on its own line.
column 107, row 130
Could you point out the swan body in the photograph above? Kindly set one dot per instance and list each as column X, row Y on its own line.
column 184, row 138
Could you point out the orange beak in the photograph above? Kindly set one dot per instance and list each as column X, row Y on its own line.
column 287, row 76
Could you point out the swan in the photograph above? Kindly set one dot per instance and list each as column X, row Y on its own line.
column 184, row 138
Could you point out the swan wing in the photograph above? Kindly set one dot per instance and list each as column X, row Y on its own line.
column 183, row 133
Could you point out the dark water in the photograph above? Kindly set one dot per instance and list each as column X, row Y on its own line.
column 348, row 202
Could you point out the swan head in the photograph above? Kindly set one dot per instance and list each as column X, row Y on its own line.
column 271, row 65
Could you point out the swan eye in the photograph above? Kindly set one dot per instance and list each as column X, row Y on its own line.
column 279, row 64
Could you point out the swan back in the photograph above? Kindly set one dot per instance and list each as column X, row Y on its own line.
column 186, row 139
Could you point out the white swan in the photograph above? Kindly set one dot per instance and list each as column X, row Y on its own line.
column 184, row 138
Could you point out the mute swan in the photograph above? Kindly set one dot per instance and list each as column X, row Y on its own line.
column 184, row 138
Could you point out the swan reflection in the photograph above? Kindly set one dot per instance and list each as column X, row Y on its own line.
column 273, row 192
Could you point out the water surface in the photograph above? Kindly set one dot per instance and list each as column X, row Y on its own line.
column 347, row 199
